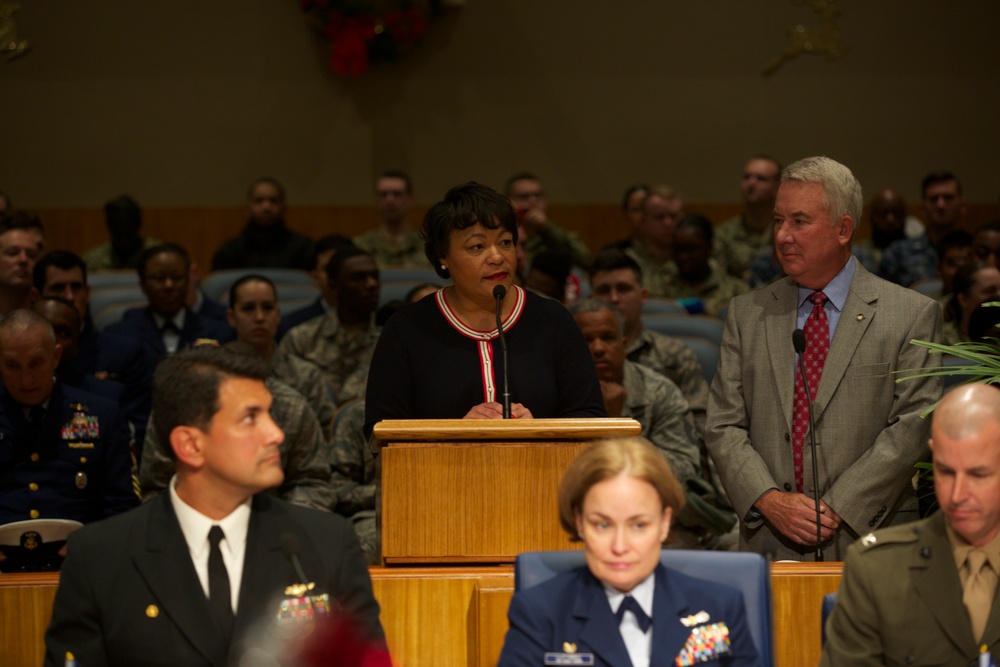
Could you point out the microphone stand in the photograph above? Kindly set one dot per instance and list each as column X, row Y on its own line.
column 499, row 292
column 799, row 341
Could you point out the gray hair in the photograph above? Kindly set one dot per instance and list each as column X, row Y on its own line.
column 24, row 320
column 591, row 305
column 841, row 189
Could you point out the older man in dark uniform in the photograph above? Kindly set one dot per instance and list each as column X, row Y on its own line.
column 923, row 593
column 65, row 453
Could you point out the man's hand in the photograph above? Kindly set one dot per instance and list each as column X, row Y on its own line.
column 794, row 516
column 614, row 397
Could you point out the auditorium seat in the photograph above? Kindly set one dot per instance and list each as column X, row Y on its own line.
column 707, row 353
column 698, row 326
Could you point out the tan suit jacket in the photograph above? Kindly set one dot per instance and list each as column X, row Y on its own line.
column 869, row 431
column 900, row 603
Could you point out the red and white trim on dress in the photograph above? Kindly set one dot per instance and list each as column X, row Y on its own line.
column 483, row 338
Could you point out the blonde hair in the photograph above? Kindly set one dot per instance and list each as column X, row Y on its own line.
column 605, row 459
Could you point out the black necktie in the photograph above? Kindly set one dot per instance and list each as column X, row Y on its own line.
column 219, row 596
column 629, row 604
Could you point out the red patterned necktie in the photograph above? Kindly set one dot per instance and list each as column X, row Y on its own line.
column 817, row 331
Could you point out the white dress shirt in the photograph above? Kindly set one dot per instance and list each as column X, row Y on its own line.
column 195, row 527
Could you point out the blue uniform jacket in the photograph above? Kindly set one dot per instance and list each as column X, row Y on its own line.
column 573, row 608
column 78, row 466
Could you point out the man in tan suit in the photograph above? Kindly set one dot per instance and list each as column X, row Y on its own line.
column 869, row 432
column 912, row 595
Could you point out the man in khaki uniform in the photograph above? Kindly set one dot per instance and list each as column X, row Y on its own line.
column 922, row 593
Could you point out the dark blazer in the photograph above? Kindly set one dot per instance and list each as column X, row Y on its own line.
column 139, row 323
column 900, row 603
column 213, row 310
column 573, row 608
column 129, row 595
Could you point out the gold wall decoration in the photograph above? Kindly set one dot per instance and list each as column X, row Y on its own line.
column 10, row 46
column 817, row 40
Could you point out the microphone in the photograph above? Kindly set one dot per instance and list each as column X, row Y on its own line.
column 499, row 292
column 799, row 343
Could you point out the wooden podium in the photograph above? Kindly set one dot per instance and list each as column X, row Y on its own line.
column 476, row 491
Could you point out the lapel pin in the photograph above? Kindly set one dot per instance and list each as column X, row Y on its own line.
column 859, row 317
column 152, row 611
column 298, row 590
column 695, row 619
column 569, row 647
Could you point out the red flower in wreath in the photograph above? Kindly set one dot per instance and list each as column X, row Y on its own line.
column 349, row 54
column 407, row 26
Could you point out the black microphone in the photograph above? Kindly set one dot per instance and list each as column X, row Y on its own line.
column 799, row 343
column 499, row 292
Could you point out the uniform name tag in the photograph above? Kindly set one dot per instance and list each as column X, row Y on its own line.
column 569, row 659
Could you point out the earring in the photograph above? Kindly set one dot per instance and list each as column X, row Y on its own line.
column 444, row 268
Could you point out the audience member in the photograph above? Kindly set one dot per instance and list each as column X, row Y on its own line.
column 166, row 325
column 418, row 292
column 974, row 283
column 548, row 274
column 265, row 240
column 101, row 356
column 5, row 205
column 653, row 241
column 254, row 315
column 631, row 390
column 616, row 278
column 326, row 248
column 19, row 249
column 632, row 212
column 889, row 222
column 858, row 329
column 352, row 476
column 953, row 251
column 66, row 325
column 202, row 562
column 923, row 593
column 341, row 342
column 986, row 243
column 984, row 324
column 393, row 243
column 528, row 198
column 739, row 239
column 908, row 260
column 66, row 453
column 699, row 276
column 123, row 218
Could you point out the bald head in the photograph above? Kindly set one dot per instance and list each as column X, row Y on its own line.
column 966, row 411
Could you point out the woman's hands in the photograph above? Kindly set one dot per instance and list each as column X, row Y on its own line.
column 494, row 410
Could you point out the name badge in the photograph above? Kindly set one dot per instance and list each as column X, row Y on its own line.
column 569, row 659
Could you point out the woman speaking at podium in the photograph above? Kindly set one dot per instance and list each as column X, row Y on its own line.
column 442, row 357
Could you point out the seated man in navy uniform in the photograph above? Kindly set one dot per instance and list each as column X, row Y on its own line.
column 197, row 576
column 65, row 453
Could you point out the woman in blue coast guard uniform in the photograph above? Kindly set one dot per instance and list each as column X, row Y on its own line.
column 624, row 608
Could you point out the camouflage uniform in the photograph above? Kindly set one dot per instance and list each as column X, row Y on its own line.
column 658, row 405
column 408, row 253
column 341, row 353
column 715, row 292
column 102, row 258
column 307, row 379
column 673, row 359
column 353, row 476
column 555, row 239
column 950, row 333
column 735, row 245
column 906, row 261
column 305, row 455
column 658, row 277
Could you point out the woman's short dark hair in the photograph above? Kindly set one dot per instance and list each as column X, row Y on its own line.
column 463, row 206
column 962, row 283
column 605, row 459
